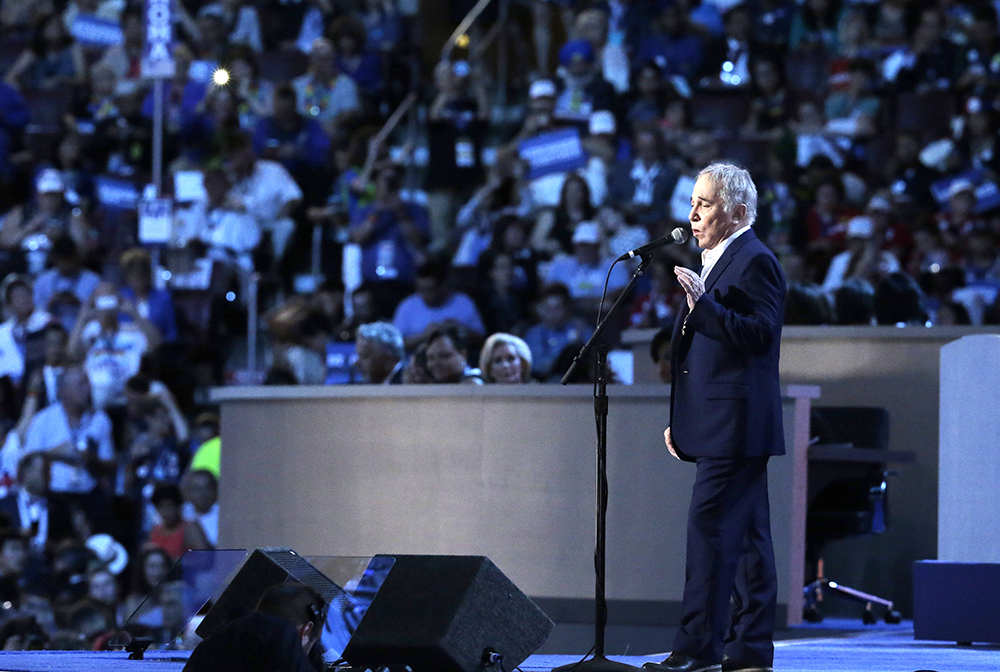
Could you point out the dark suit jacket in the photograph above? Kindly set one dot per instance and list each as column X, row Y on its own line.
column 725, row 399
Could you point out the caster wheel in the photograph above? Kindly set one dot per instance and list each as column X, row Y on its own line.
column 893, row 617
column 812, row 615
column 868, row 618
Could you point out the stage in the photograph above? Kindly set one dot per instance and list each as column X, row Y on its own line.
column 826, row 648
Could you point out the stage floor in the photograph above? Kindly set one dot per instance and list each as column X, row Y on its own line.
column 808, row 650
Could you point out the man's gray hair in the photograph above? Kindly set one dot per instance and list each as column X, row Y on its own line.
column 735, row 187
column 386, row 336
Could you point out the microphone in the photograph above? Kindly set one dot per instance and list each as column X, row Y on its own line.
column 678, row 235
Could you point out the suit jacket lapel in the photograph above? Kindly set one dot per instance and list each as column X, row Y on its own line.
column 727, row 258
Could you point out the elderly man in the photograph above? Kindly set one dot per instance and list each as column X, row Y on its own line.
column 725, row 415
column 380, row 353
column 75, row 436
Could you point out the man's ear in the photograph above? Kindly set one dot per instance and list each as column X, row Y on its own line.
column 305, row 630
column 740, row 213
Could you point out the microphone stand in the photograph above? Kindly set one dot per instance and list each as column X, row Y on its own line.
column 599, row 663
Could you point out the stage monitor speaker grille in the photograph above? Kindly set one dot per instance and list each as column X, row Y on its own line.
column 442, row 613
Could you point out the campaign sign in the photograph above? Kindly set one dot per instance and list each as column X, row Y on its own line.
column 91, row 31
column 987, row 193
column 158, row 52
column 341, row 360
column 155, row 220
column 553, row 152
column 116, row 193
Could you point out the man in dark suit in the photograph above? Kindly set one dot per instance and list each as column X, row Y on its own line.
column 725, row 410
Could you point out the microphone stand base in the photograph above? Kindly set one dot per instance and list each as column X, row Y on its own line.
column 597, row 664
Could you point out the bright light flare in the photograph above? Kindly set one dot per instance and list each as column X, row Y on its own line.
column 220, row 77
column 463, row 41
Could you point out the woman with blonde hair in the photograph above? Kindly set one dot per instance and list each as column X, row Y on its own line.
column 505, row 358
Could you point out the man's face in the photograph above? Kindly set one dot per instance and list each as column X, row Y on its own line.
column 201, row 492
column 554, row 311
column 432, row 291
column 76, row 389
column 374, row 362
column 710, row 223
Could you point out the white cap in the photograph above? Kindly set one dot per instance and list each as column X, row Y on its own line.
column 601, row 122
column 960, row 185
column 50, row 181
column 587, row 232
column 859, row 227
column 112, row 554
column 541, row 88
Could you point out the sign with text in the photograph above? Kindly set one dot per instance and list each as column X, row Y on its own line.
column 554, row 152
column 158, row 52
column 116, row 193
column 986, row 192
column 155, row 220
column 91, row 31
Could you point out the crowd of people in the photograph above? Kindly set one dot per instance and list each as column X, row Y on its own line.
column 471, row 244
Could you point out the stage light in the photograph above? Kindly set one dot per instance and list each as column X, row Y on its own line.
column 220, row 77
column 463, row 41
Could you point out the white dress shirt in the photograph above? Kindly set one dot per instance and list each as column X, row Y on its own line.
column 709, row 257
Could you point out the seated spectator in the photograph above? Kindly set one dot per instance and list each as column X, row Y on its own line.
column 297, row 142
column 365, row 68
column 959, row 220
column 478, row 222
column 201, row 502
column 151, row 570
column 74, row 436
column 381, row 354
column 582, row 88
column 153, row 304
column 899, row 301
column 365, row 309
column 33, row 228
column 854, row 303
column 154, row 456
column 553, row 231
column 278, row 635
column 15, row 115
column 728, row 57
column 205, row 135
column 257, row 95
column 672, row 45
column 863, row 257
column 51, row 61
column 433, row 304
column 504, row 298
column 814, row 27
column 505, row 358
column 173, row 534
column 771, row 107
column 584, row 273
column 854, row 111
column 392, row 234
column 111, row 348
column 264, row 190
column 611, row 55
column 28, row 509
column 125, row 58
column 807, row 304
column 447, row 357
column 67, row 285
column 557, row 327
column 642, row 188
column 103, row 594
column 325, row 94
column 826, row 220
column 22, row 334
column 649, row 99
column 659, row 352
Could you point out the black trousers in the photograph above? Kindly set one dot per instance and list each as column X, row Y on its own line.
column 729, row 557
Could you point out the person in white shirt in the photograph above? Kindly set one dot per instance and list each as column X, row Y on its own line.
column 266, row 191
column 24, row 323
column 111, row 348
column 74, row 435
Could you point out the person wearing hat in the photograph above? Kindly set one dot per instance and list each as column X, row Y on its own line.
column 862, row 258
column 584, row 271
column 582, row 89
column 31, row 228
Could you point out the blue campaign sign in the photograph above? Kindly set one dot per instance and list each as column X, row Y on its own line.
column 341, row 360
column 116, row 193
column 91, row 31
column 158, row 52
column 987, row 193
column 554, row 152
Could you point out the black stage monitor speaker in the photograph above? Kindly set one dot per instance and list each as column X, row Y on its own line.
column 447, row 613
column 264, row 568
